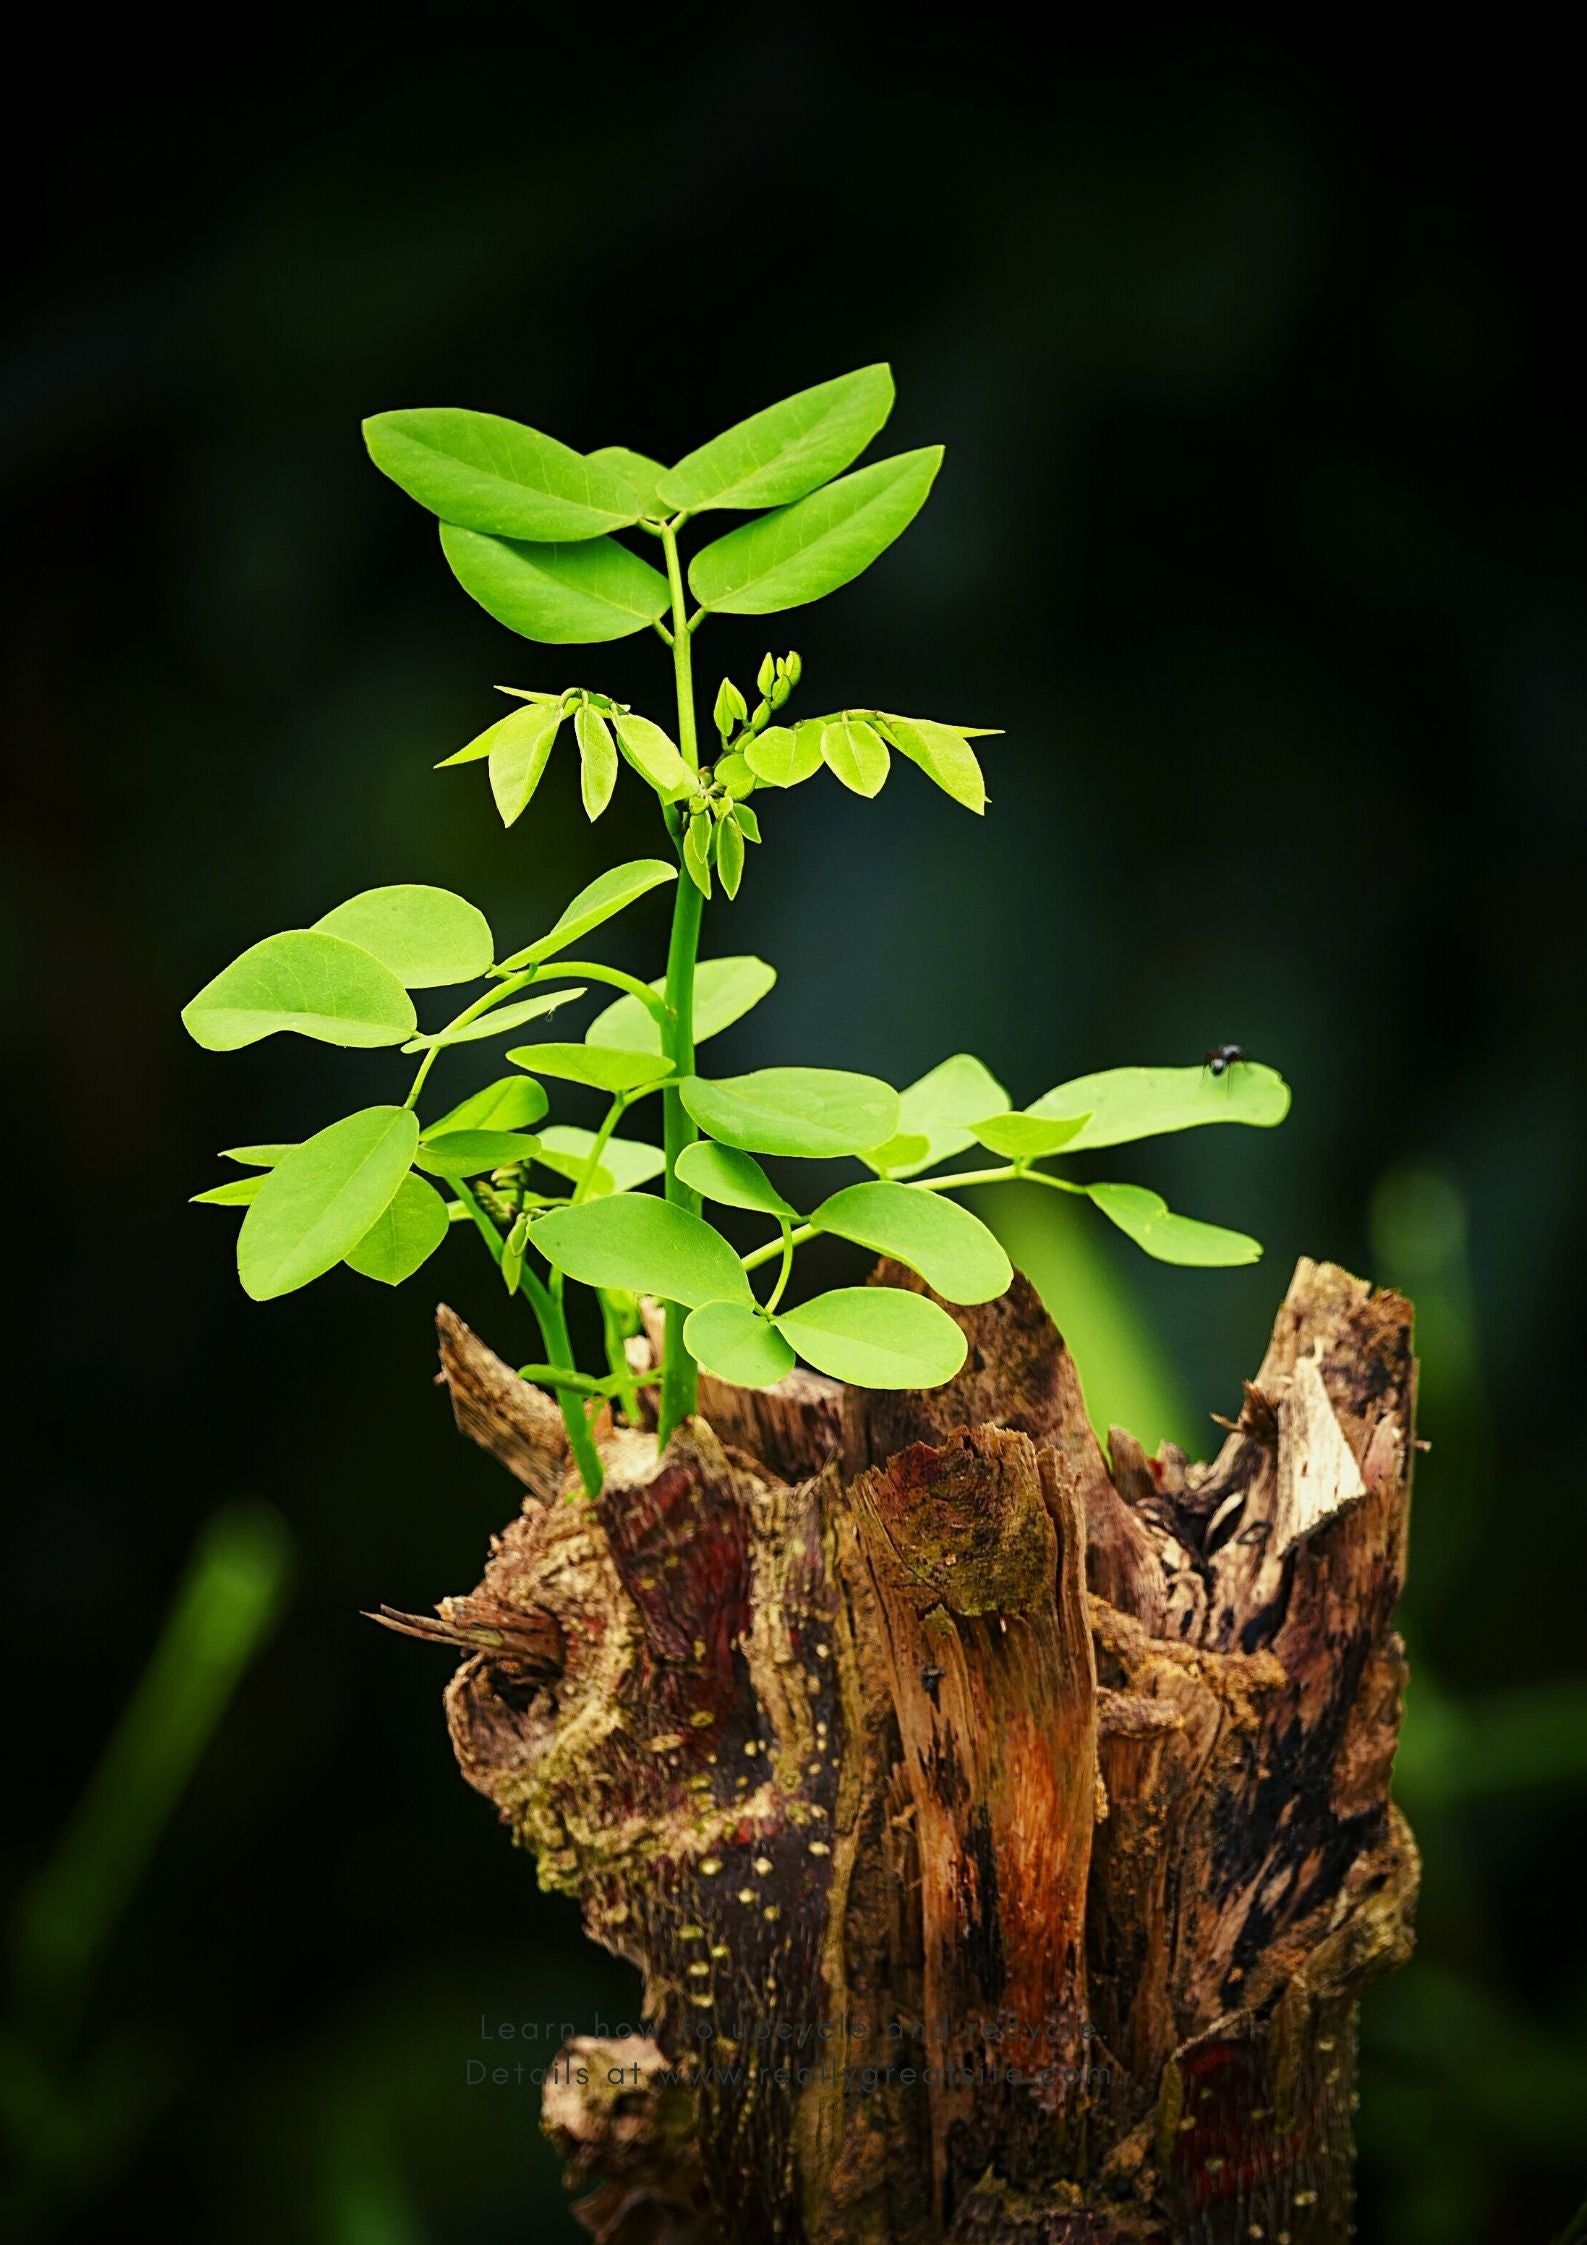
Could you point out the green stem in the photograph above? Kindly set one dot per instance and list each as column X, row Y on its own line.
column 572, row 970
column 679, row 1386
column 557, row 1376
column 614, row 1115
column 554, row 1334
column 503, row 990
column 783, row 1276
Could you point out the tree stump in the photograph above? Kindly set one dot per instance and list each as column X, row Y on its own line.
column 1004, row 1835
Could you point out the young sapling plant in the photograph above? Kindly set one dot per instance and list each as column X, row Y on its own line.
column 535, row 533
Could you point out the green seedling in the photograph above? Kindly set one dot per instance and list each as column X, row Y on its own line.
column 535, row 533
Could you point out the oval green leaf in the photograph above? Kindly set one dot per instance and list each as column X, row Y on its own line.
column 810, row 1112
column 466, row 1153
column 941, row 1107
column 1028, row 1137
column 427, row 937
column 645, row 1244
column 784, row 755
column 405, row 1237
column 489, row 474
column 597, row 760
column 943, row 754
column 654, row 756
column 604, row 1067
column 782, row 453
column 805, row 551
column 510, row 1103
column 520, row 750
column 638, row 471
column 1129, row 1103
column 625, row 1163
column 876, row 1337
column 732, row 1343
column 237, row 1192
column 498, row 1020
column 734, row 1179
column 323, row 1198
column 610, row 894
column 856, row 754
column 316, row 985
column 724, row 991
column 560, row 595
column 1149, row 1221
column 952, row 1250
column 257, row 1157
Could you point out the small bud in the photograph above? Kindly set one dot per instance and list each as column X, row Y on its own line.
column 512, row 1254
column 766, row 674
column 794, row 668
column 730, row 708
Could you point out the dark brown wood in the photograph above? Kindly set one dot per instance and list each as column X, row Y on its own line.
column 1002, row 1829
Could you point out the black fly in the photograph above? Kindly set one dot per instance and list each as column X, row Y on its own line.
column 1222, row 1058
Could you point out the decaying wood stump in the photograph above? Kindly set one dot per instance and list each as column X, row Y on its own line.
column 1004, row 1836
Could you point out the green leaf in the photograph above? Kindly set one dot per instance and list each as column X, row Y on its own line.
column 856, row 754
column 805, row 551
column 427, row 937
column 407, row 1235
column 517, row 720
column 510, row 1103
column 942, row 1107
column 466, row 1153
column 319, row 985
column 512, row 1252
column 697, row 853
column 783, row 755
column 733, row 1343
column 952, row 1250
column 257, row 1157
column 489, row 474
column 943, row 754
column 500, row 1018
column 1027, row 1137
column 654, row 757
column 639, row 472
column 625, row 1163
column 237, row 1192
column 787, row 450
column 604, row 898
column 605, row 1067
column 521, row 748
column 645, row 1244
column 1129, row 1103
column 876, row 1337
column 722, row 1173
column 560, row 595
column 724, row 991
column 803, row 1111
column 730, row 855
column 1148, row 1220
column 597, row 760
column 904, row 1153
column 323, row 1198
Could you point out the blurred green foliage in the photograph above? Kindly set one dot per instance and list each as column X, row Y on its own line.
column 1261, row 522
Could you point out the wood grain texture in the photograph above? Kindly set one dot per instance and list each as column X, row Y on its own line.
column 1002, row 1828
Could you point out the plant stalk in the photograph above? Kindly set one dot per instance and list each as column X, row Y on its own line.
column 679, row 1385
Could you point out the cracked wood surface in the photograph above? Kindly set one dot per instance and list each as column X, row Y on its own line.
column 1002, row 1829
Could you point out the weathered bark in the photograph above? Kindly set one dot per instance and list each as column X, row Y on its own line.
column 1003, row 1835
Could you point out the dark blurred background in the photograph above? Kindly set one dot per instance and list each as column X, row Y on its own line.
column 1259, row 532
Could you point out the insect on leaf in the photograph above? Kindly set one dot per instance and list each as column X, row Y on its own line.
column 317, row 985
column 427, row 937
column 731, row 1342
column 1129, row 1103
column 780, row 454
column 876, row 1337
